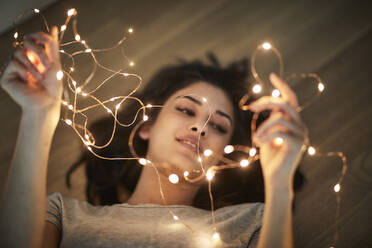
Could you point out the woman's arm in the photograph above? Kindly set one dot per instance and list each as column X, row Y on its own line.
column 281, row 139
column 30, row 79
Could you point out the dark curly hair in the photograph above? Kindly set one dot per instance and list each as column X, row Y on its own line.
column 232, row 186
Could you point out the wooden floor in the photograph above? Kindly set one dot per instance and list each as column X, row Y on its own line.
column 331, row 38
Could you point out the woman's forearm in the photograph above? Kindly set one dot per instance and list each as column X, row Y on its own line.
column 22, row 208
column 277, row 228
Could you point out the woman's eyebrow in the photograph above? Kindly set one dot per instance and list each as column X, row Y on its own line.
column 219, row 112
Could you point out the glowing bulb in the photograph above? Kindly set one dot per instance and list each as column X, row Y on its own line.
column 125, row 74
column 252, row 151
column 175, row 217
column 311, row 150
column 88, row 50
column 321, row 87
column 149, row 106
column 145, row 118
column 77, row 37
column 62, row 51
column 68, row 122
column 210, row 174
column 86, row 136
column 71, row 12
column 204, row 99
column 15, row 35
column 228, row 149
column 208, row 152
column 142, row 161
column 78, row 90
column 112, row 99
column 131, row 63
column 173, row 178
column 275, row 93
column 87, row 143
column 244, row 163
column 278, row 141
column 63, row 28
column 266, row 46
column 74, row 83
column 72, row 69
column 117, row 106
column 89, row 148
column 64, row 102
column 215, row 236
column 337, row 188
column 84, row 94
column 59, row 75
column 83, row 41
column 36, row 11
column 186, row 173
column 130, row 30
column 70, row 107
column 200, row 159
column 109, row 110
column 257, row 88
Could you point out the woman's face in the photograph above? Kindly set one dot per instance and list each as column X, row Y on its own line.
column 187, row 125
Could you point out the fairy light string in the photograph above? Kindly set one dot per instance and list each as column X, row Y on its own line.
column 206, row 171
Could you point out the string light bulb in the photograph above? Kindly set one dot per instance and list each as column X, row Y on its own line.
column 130, row 30
column 175, row 217
column 71, row 12
column 142, row 161
column 252, row 152
column 275, row 93
column 311, row 151
column 77, row 37
column 266, row 46
column 257, row 89
column 15, row 35
column 204, row 99
column 131, row 63
column 228, row 149
column 207, row 152
column 59, row 75
column 321, row 87
column 145, row 117
column 68, row 122
column 216, row 236
column 337, row 188
column 210, row 174
column 244, row 163
column 278, row 141
column 186, row 173
column 149, row 106
column 173, row 178
column 36, row 11
column 63, row 28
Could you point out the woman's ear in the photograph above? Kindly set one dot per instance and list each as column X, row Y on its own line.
column 144, row 131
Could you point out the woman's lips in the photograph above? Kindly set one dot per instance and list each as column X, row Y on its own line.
column 188, row 144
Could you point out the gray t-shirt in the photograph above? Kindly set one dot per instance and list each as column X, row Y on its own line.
column 149, row 225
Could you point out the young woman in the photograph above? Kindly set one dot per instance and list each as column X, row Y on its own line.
column 170, row 140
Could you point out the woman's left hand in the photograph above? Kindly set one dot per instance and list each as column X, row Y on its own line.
column 282, row 137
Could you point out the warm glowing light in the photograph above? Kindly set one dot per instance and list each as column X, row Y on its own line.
column 86, row 136
column 71, row 12
column 36, row 10
column 63, row 28
column 77, row 37
column 74, row 83
column 186, row 173
column 131, row 63
column 87, row 143
column 278, row 141
column 142, row 161
column 15, row 35
column 204, row 99
column 64, row 102
column 70, row 107
column 125, row 74
column 266, row 46
column 59, row 75
column 89, row 148
column 173, row 178
column 88, row 50
column 210, row 174
column 257, row 88
column 337, row 188
column 68, row 122
column 130, row 30
column 149, row 106
column 112, row 99
column 321, row 87
column 109, row 110
column 244, row 163
column 83, row 41
column 311, row 150
column 275, row 93
column 200, row 159
column 117, row 106
column 84, row 94
column 62, row 51
column 72, row 69
column 175, row 217
column 252, row 152
column 78, row 90
column 215, row 236
column 145, row 118
column 208, row 152
column 228, row 149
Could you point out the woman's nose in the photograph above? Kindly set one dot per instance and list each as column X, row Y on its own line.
column 195, row 128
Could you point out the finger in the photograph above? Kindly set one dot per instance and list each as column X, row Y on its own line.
column 40, row 38
column 272, row 136
column 286, row 92
column 272, row 103
column 21, row 56
column 278, row 122
column 41, row 55
column 16, row 70
column 52, row 47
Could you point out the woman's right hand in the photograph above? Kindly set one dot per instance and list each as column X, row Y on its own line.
column 30, row 77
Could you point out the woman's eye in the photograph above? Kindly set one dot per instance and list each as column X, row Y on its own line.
column 186, row 111
column 218, row 128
